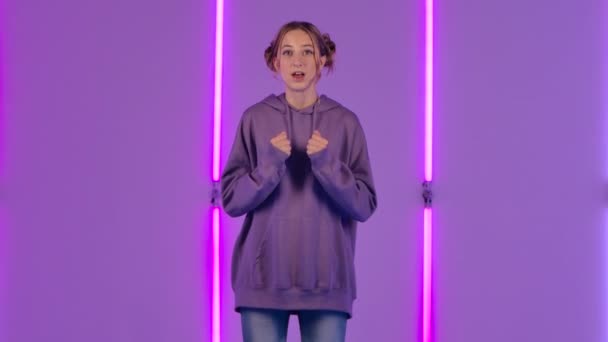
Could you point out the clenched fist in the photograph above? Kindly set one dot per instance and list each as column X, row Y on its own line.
column 282, row 143
column 316, row 143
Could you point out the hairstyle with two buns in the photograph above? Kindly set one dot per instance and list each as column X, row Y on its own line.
column 322, row 42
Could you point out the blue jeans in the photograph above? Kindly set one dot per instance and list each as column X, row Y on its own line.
column 265, row 325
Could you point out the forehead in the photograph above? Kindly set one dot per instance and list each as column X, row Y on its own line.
column 296, row 38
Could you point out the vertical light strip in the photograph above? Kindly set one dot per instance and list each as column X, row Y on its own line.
column 427, row 259
column 216, row 276
column 428, row 108
column 605, row 143
column 217, row 121
column 217, row 107
column 428, row 175
column 604, row 134
column 605, row 337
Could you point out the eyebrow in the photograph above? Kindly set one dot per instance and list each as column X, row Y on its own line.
column 305, row 45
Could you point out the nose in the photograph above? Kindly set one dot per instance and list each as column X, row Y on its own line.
column 297, row 61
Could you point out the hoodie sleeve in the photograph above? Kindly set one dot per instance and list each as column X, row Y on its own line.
column 350, row 185
column 246, row 182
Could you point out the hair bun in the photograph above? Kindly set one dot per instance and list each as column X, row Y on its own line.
column 331, row 46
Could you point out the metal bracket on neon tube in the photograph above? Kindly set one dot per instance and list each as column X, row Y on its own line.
column 427, row 194
column 215, row 194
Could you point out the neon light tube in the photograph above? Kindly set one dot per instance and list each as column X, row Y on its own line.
column 217, row 105
column 217, row 121
column 428, row 175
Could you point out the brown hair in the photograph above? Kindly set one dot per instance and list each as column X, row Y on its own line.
column 324, row 44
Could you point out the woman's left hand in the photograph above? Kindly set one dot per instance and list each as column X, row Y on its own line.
column 316, row 143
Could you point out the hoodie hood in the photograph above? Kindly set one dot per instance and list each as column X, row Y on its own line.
column 279, row 103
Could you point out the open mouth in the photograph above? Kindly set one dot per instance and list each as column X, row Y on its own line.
column 298, row 75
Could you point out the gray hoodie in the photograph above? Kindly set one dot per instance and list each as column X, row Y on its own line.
column 297, row 244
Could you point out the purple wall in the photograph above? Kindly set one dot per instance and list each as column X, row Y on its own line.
column 520, row 171
column 388, row 248
column 105, row 134
column 106, row 123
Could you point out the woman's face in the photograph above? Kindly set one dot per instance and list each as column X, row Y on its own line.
column 297, row 61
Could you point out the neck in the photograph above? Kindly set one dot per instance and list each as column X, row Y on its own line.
column 299, row 100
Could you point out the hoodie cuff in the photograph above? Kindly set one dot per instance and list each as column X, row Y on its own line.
column 276, row 159
column 271, row 168
column 320, row 160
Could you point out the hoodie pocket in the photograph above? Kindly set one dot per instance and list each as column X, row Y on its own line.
column 300, row 253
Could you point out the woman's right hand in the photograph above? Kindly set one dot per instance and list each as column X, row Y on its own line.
column 282, row 143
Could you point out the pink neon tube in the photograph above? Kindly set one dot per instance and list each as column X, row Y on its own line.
column 428, row 108
column 217, row 108
column 217, row 121
column 216, row 277
column 428, row 175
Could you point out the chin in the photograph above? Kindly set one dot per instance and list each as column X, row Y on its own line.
column 301, row 87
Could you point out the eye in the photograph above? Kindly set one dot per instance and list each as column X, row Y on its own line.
column 287, row 52
column 309, row 52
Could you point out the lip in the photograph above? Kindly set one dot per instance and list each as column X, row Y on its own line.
column 299, row 78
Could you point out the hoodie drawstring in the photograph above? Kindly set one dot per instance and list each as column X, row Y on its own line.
column 289, row 113
column 289, row 120
column 314, row 115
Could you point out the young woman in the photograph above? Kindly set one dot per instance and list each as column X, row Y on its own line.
column 299, row 169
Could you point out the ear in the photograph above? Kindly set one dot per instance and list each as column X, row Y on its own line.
column 276, row 64
column 323, row 60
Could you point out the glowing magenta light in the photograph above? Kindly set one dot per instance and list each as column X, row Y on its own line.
column 217, row 105
column 216, row 276
column 217, row 121
column 428, row 175
column 428, row 108
column 427, row 275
